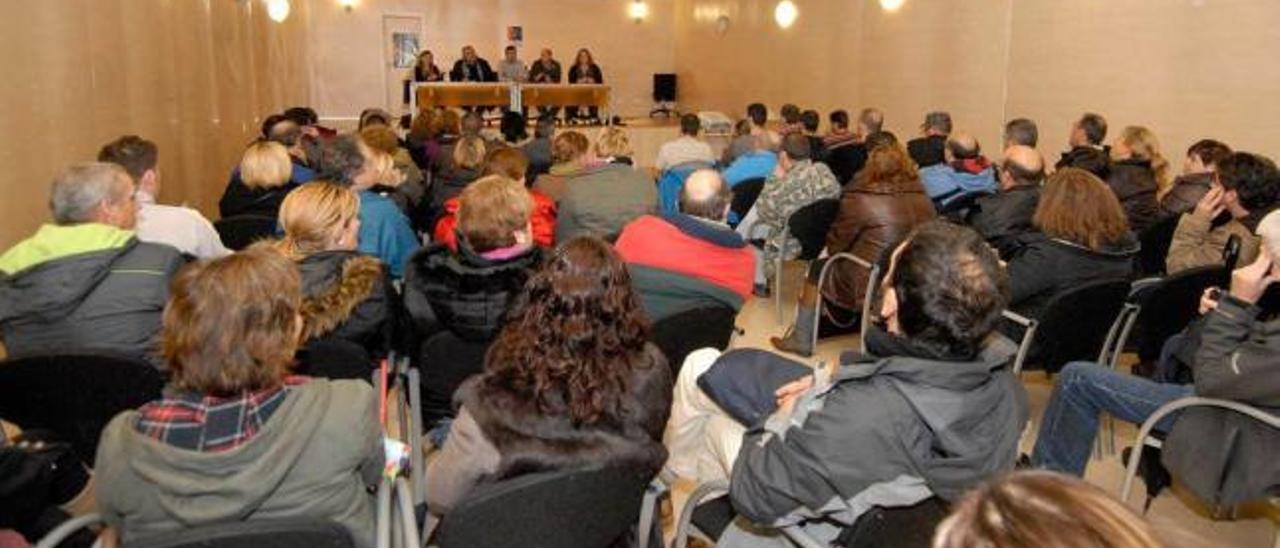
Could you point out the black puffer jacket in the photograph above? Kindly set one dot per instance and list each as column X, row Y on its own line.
column 1095, row 160
column 1134, row 183
column 463, row 292
column 348, row 296
column 1042, row 267
column 1002, row 218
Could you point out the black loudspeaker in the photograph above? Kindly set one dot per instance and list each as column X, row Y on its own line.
column 664, row 88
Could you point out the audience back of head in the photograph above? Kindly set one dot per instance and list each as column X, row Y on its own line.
column 796, row 147
column 1093, row 127
column 265, row 164
column 614, row 142
column 1253, row 178
column 491, row 210
column 1078, row 207
column 705, row 195
column 870, row 120
column 758, row 113
column 508, row 162
column 690, row 125
column 839, row 119
column 1207, row 153
column 133, row 153
column 93, row 192
column 569, row 147
column 1021, row 131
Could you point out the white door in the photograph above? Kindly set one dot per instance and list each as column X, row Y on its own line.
column 401, row 40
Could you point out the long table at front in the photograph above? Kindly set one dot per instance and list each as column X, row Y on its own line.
column 509, row 95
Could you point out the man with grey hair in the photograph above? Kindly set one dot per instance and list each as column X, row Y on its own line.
column 966, row 171
column 1002, row 217
column 930, row 148
column 85, row 283
column 692, row 258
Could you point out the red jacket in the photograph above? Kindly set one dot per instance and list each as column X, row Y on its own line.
column 543, row 221
column 688, row 246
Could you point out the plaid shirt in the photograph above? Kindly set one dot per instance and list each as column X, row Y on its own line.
column 197, row 422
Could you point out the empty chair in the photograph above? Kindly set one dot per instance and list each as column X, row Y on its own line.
column 809, row 225
column 74, row 396
column 1076, row 323
column 744, row 196
column 240, row 231
column 575, row 508
column 682, row 333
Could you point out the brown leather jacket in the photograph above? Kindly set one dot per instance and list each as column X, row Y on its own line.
column 872, row 217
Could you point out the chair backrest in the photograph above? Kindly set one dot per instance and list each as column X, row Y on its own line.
column 896, row 527
column 446, row 360
column 1231, row 252
column 1156, row 240
column 240, row 231
column 1170, row 305
column 334, row 358
column 274, row 533
column 957, row 209
column 745, row 194
column 1075, row 323
column 74, row 396
column 577, row 508
column 680, row 334
column 810, row 224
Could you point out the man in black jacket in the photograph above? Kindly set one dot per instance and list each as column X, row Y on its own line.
column 471, row 68
column 85, row 283
column 1236, row 360
column 930, row 150
column 1087, row 152
column 1002, row 217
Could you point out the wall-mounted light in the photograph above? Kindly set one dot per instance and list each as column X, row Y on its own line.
column 638, row 10
column 348, row 5
column 786, row 13
column 891, row 5
column 278, row 10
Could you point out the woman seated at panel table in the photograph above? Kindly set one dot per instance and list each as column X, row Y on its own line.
column 584, row 71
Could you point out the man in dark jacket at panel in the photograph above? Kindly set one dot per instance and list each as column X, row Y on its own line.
column 692, row 258
column 1087, row 152
column 1002, row 217
column 931, row 411
column 1236, row 360
column 472, row 68
column 85, row 283
column 930, row 149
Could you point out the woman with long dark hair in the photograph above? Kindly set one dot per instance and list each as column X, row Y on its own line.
column 426, row 70
column 584, row 71
column 571, row 382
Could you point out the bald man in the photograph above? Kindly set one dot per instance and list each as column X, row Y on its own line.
column 1003, row 217
column 692, row 258
column 965, row 171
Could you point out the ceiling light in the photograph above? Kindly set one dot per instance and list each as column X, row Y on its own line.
column 786, row 13
column 347, row 5
column 892, row 5
column 638, row 10
column 278, row 10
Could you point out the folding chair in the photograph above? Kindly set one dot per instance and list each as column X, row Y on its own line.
column 1156, row 240
column 873, row 273
column 745, row 194
column 809, row 225
column 680, row 334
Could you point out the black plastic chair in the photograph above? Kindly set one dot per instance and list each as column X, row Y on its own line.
column 1076, row 325
column 334, row 358
column 578, row 508
column 957, row 209
column 1156, row 240
column 745, row 194
column 74, row 396
column 240, row 231
column 445, row 361
column 809, row 225
column 680, row 334
column 1168, row 306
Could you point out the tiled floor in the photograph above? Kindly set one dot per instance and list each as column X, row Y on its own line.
column 1176, row 514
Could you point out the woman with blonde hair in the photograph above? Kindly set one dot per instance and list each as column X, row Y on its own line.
column 1043, row 510
column 1139, row 175
column 465, row 166
column 346, row 295
column 261, row 181
column 614, row 146
column 1081, row 236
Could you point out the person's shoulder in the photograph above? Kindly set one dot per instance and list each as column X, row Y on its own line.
column 152, row 252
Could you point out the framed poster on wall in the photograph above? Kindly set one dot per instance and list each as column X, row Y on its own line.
column 405, row 48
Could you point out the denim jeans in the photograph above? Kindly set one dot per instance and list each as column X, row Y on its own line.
column 1084, row 390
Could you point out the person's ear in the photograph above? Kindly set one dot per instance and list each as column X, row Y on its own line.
column 298, row 324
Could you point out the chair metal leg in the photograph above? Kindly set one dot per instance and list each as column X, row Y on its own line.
column 701, row 493
column 417, row 461
column 777, row 288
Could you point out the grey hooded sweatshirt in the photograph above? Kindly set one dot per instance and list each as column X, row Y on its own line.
column 316, row 456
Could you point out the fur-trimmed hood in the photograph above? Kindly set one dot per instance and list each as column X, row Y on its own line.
column 345, row 294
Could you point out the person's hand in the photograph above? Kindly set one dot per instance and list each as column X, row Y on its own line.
column 1209, row 300
column 1210, row 205
column 1248, row 283
column 786, row 395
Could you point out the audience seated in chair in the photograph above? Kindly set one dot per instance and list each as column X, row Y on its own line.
column 512, row 164
column 964, row 171
column 1139, row 175
column 538, row 149
column 235, row 438
column 1198, row 170
column 1033, row 509
column 1021, row 132
column 1086, row 150
column 385, row 233
column 570, row 382
column 930, row 149
column 443, row 131
column 741, row 143
column 1234, row 360
column 811, row 120
column 1245, row 188
column 796, row 182
column 756, row 163
column 181, row 227
column 411, row 193
column 345, row 295
column 1005, row 216
column 690, row 259
column 259, row 184
column 1080, row 237
column 845, row 153
column 613, row 146
column 883, row 204
column 685, row 148
column 84, row 283
column 931, row 411
column 466, row 163
column 570, row 156
column 759, row 116
column 600, row 199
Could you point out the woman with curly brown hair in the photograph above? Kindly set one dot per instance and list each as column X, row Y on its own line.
column 883, row 203
column 571, row 382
